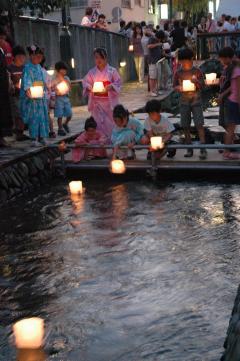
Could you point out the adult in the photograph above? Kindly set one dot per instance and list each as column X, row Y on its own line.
column 101, row 23
column 178, row 36
column 101, row 104
column 87, row 19
column 6, row 47
column 122, row 29
column 138, row 51
column 129, row 29
column 145, row 39
column 227, row 26
column 5, row 105
column 202, row 25
column 155, row 46
column 211, row 27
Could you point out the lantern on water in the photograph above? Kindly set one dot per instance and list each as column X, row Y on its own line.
column 157, row 143
column 29, row 333
column 211, row 78
column 130, row 48
column 63, row 88
column 76, row 187
column 99, row 87
column 118, row 167
column 36, row 92
column 188, row 86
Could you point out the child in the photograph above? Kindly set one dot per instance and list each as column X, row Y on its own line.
column 62, row 106
column 190, row 102
column 16, row 70
column 101, row 22
column 90, row 136
column 34, row 112
column 157, row 124
column 128, row 131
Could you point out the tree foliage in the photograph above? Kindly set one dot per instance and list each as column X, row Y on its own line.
column 191, row 6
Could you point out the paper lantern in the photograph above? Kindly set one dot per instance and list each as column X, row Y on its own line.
column 123, row 64
column 76, row 187
column 118, row 167
column 98, row 87
column 188, row 86
column 29, row 333
column 63, row 88
column 50, row 72
column 131, row 48
column 37, row 92
column 157, row 143
column 211, row 78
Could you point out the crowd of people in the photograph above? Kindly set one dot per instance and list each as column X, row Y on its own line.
column 29, row 93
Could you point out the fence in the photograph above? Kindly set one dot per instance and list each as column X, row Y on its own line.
column 46, row 33
column 209, row 44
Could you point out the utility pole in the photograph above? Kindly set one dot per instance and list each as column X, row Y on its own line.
column 66, row 49
column 170, row 9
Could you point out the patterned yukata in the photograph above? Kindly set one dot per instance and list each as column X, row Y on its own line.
column 101, row 105
column 34, row 112
column 133, row 133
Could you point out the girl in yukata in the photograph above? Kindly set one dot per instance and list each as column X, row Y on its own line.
column 101, row 104
column 90, row 136
column 34, row 111
column 128, row 131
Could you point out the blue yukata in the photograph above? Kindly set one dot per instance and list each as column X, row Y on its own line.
column 132, row 133
column 63, row 106
column 34, row 112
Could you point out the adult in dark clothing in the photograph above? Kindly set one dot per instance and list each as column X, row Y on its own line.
column 5, row 106
column 178, row 36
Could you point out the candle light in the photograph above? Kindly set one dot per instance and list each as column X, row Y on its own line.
column 130, row 48
column 50, row 72
column 36, row 92
column 19, row 84
column 29, row 333
column 76, row 187
column 157, row 143
column 211, row 78
column 98, row 87
column 63, row 88
column 123, row 64
column 188, row 86
column 118, row 167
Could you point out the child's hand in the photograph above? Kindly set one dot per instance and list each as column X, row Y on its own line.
column 194, row 79
column 28, row 93
column 109, row 87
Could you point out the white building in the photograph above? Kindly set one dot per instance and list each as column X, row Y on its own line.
column 228, row 7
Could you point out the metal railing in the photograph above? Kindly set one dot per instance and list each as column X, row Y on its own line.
column 209, row 44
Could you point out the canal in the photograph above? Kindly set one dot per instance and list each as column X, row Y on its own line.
column 128, row 272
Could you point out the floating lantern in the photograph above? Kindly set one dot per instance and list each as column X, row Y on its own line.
column 188, row 86
column 99, row 87
column 76, row 187
column 211, row 78
column 118, row 167
column 29, row 333
column 63, row 88
column 123, row 64
column 131, row 48
column 157, row 143
column 37, row 92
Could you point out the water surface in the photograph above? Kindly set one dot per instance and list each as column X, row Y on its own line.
column 127, row 272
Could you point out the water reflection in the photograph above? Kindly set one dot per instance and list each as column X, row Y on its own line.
column 124, row 272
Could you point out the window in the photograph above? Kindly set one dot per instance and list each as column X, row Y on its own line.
column 126, row 4
column 151, row 7
column 79, row 3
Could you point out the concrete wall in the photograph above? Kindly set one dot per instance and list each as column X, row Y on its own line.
column 46, row 34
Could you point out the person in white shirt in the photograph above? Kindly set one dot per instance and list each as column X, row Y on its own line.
column 87, row 19
column 227, row 26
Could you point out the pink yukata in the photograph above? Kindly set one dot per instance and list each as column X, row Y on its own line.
column 79, row 154
column 101, row 105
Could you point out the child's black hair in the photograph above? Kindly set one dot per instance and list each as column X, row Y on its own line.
column 61, row 65
column 90, row 123
column 153, row 106
column 185, row 54
column 120, row 112
column 35, row 50
column 18, row 50
column 226, row 52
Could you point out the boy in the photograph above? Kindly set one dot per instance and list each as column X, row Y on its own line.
column 62, row 106
column 226, row 56
column 16, row 70
column 157, row 124
column 190, row 101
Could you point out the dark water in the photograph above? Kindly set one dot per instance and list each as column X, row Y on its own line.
column 129, row 272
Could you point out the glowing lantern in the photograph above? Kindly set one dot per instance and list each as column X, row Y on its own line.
column 98, row 87
column 118, row 167
column 19, row 84
column 123, row 64
column 76, row 187
column 29, row 333
column 188, row 86
column 50, row 72
column 211, row 78
column 37, row 92
column 157, row 143
column 63, row 88
column 131, row 48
